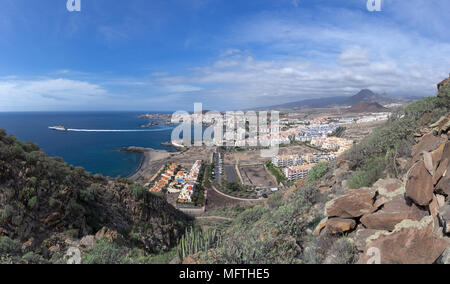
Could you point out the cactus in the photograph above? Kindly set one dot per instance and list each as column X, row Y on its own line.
column 195, row 241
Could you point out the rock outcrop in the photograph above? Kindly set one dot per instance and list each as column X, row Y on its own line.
column 393, row 212
column 411, row 242
column 354, row 204
column 419, row 186
column 399, row 221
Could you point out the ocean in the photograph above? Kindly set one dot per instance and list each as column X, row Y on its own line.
column 95, row 142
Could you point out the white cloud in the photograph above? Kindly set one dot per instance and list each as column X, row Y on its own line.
column 247, row 82
column 47, row 93
column 354, row 56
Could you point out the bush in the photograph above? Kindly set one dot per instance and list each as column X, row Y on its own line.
column 444, row 94
column 7, row 212
column 137, row 191
column 275, row 200
column 33, row 258
column 276, row 173
column 8, row 245
column 88, row 195
column 251, row 215
column 104, row 252
column 369, row 173
column 32, row 203
column 318, row 171
column 343, row 251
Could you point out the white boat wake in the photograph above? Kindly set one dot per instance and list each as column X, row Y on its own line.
column 119, row 130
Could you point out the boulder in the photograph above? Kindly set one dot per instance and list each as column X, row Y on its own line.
column 434, row 206
column 361, row 236
column 443, row 186
column 392, row 213
column 28, row 246
column 441, row 200
column 108, row 235
column 428, row 143
column 419, row 185
column 440, row 171
column 390, row 187
column 428, row 162
column 52, row 219
column 353, row 204
column 436, row 155
column 87, row 242
column 412, row 242
column 319, row 228
column 339, row 225
column 54, row 249
column 192, row 259
column 445, row 257
column 444, row 218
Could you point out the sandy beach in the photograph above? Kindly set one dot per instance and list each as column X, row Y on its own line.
column 150, row 156
column 153, row 160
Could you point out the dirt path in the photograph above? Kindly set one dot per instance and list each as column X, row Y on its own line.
column 214, row 217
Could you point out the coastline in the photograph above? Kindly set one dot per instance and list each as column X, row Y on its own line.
column 149, row 155
column 143, row 160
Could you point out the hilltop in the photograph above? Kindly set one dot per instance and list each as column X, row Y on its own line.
column 367, row 107
column 47, row 206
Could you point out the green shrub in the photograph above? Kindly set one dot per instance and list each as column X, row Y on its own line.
column 368, row 174
column 318, row 171
column 275, row 200
column 33, row 258
column 88, row 195
column 32, row 203
column 276, row 173
column 137, row 191
column 251, row 215
column 343, row 251
column 7, row 212
column 444, row 94
column 8, row 245
column 104, row 252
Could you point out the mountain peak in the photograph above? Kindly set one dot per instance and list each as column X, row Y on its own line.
column 367, row 95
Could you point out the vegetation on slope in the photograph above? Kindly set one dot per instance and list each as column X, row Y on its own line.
column 378, row 154
column 43, row 201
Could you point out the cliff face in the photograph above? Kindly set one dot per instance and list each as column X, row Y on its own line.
column 47, row 206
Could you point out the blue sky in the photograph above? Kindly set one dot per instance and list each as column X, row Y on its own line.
column 227, row 54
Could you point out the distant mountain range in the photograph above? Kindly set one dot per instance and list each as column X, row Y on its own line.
column 364, row 95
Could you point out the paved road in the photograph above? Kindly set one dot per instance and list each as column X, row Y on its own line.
column 231, row 174
column 216, row 168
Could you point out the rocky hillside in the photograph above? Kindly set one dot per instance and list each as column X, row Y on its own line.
column 404, row 219
column 47, row 206
column 385, row 201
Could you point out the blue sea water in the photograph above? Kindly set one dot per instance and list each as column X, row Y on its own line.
column 97, row 152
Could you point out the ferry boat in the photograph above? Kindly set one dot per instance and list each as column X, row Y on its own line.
column 58, row 128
